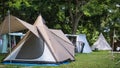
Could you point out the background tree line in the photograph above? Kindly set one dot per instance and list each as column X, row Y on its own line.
column 90, row 17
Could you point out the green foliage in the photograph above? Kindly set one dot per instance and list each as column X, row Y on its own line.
column 95, row 7
column 105, row 15
column 85, row 16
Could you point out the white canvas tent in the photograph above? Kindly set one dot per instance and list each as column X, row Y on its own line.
column 101, row 44
column 86, row 48
column 42, row 46
column 79, row 40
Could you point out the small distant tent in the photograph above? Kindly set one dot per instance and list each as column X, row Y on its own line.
column 80, row 42
column 101, row 44
column 42, row 46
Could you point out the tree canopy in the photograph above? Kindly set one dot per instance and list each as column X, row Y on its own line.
column 72, row 16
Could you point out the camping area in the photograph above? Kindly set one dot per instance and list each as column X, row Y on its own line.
column 101, row 59
column 59, row 33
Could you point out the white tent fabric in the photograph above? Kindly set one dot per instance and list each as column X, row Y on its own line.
column 45, row 45
column 101, row 44
column 16, row 51
column 82, row 39
column 53, row 41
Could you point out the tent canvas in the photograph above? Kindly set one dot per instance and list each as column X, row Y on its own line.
column 45, row 46
column 101, row 44
column 15, row 24
column 78, row 40
column 86, row 48
column 3, row 44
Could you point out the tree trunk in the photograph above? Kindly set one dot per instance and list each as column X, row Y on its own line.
column 112, row 40
column 75, row 17
column 75, row 23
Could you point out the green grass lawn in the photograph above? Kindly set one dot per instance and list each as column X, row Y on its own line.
column 101, row 59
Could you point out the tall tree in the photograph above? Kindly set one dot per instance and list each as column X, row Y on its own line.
column 72, row 16
column 75, row 13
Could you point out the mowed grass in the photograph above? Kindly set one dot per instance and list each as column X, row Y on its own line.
column 100, row 59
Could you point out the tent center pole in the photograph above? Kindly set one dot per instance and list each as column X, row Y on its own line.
column 9, row 28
